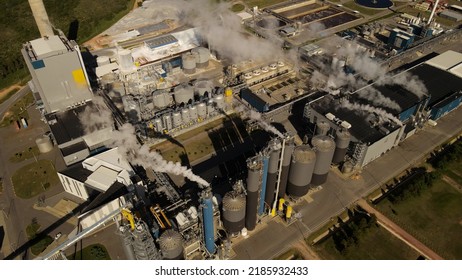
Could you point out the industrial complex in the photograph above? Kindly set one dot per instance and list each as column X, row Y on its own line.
column 115, row 111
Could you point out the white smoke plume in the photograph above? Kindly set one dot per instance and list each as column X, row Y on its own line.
column 253, row 115
column 96, row 117
column 125, row 139
column 220, row 28
column 134, row 152
column 376, row 98
column 368, row 108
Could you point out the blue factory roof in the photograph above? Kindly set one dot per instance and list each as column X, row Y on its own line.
column 161, row 41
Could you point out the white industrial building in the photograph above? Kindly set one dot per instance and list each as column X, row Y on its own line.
column 58, row 72
column 102, row 179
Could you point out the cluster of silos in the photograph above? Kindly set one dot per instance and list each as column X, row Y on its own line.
column 161, row 99
column 322, row 127
column 183, row 94
column 234, row 206
column 325, row 148
column 254, row 181
column 301, row 171
column 171, row 245
column 189, row 63
column 125, row 59
column 273, row 168
column 207, row 220
column 342, row 141
column 288, row 150
column 202, row 57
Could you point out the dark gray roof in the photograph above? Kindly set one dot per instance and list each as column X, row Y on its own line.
column 360, row 129
column 77, row 172
column 66, row 125
column 72, row 149
column 439, row 83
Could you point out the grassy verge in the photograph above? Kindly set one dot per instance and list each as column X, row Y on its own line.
column 237, row 8
column 18, row 110
column 41, row 244
column 434, row 217
column 92, row 252
column 35, row 178
column 292, row 254
column 8, row 95
column 25, row 154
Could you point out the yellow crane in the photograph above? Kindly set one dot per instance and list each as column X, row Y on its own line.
column 129, row 216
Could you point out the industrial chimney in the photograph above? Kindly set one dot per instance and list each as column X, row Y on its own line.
column 41, row 18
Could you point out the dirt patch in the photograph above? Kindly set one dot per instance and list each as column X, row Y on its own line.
column 5, row 91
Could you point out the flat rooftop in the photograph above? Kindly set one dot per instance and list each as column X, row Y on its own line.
column 44, row 47
column 66, row 126
column 446, row 60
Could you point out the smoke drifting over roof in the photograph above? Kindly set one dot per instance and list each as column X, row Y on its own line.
column 100, row 116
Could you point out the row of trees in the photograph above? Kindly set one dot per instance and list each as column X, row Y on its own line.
column 447, row 155
column 414, row 187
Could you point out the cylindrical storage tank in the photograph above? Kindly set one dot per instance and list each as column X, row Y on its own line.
column 102, row 60
column 347, row 167
column 322, row 127
column 168, row 123
column 185, row 115
column 176, row 119
column 211, row 106
column 202, row 57
column 189, row 63
column 183, row 94
column 125, row 59
column 301, row 170
column 160, row 99
column 202, row 110
column 158, row 125
column 220, row 102
column 234, row 212
column 342, row 141
column 207, row 221
column 193, row 113
column 273, row 166
column 171, row 245
column 44, row 144
column 253, row 189
column 324, row 147
column 288, row 150
column 203, row 88
column 228, row 92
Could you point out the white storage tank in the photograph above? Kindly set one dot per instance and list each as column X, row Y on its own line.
column 189, row 63
column 125, row 59
column 185, row 115
column 183, row 94
column 102, row 60
column 161, row 99
column 167, row 119
column 202, row 57
column 176, row 119
column 202, row 110
column 220, row 101
column 211, row 106
column 44, row 144
column 193, row 113
column 158, row 125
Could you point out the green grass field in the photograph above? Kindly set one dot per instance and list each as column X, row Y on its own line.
column 434, row 217
column 25, row 154
column 17, row 111
column 31, row 231
column 8, row 95
column 33, row 179
column 376, row 243
column 91, row 252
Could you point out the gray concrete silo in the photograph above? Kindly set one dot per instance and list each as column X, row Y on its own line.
column 288, row 150
column 324, row 147
column 254, row 169
column 342, row 140
column 189, row 63
column 171, row 245
column 202, row 57
column 234, row 211
column 301, row 171
column 273, row 165
column 322, row 127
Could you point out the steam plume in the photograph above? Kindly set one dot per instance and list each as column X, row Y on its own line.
column 253, row 115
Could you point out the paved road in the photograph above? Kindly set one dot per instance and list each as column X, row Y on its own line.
column 10, row 101
column 339, row 192
column 399, row 232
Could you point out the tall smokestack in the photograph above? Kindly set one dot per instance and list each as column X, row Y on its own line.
column 433, row 11
column 41, row 18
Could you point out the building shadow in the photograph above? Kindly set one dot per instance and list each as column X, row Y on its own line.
column 73, row 30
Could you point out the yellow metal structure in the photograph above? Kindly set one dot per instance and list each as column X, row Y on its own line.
column 281, row 204
column 273, row 212
column 289, row 212
column 160, row 217
column 228, row 92
column 129, row 216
